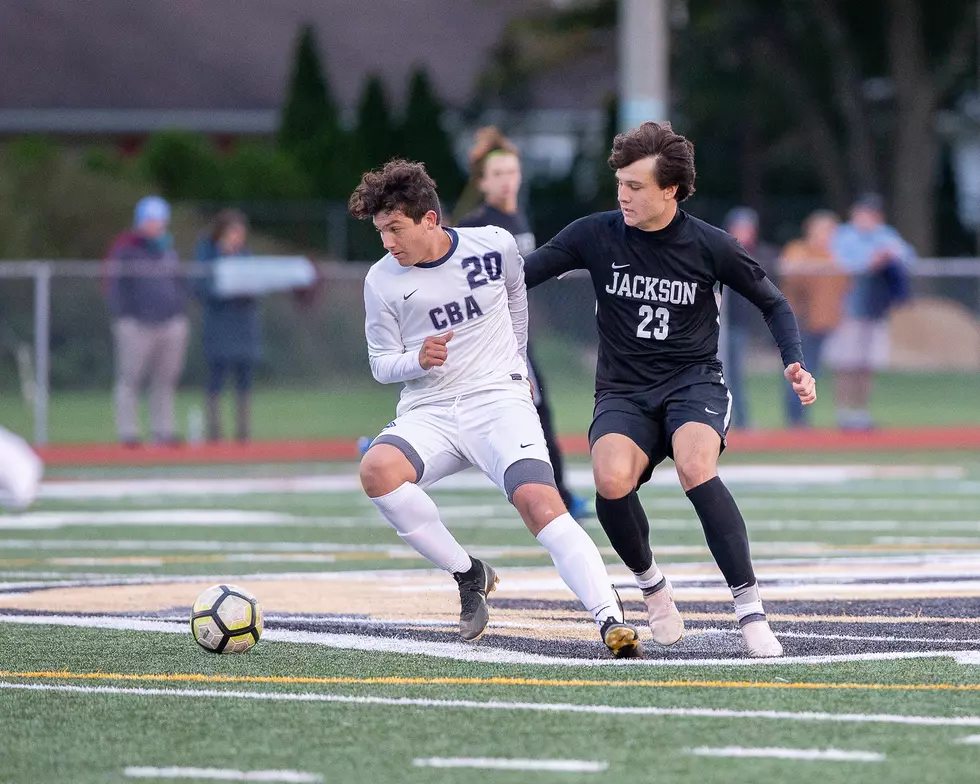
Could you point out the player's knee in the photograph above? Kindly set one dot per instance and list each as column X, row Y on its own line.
column 538, row 505
column 384, row 469
column 695, row 469
column 613, row 481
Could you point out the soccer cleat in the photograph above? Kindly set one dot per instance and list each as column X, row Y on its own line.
column 474, row 586
column 666, row 622
column 578, row 508
column 620, row 637
column 760, row 641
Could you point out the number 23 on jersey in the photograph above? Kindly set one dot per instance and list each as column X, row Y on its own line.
column 648, row 314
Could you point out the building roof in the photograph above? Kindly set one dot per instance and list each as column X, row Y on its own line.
column 188, row 55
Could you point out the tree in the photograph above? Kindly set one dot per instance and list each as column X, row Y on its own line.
column 376, row 133
column 860, row 85
column 310, row 110
column 424, row 139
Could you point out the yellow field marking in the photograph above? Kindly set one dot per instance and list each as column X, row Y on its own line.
column 496, row 681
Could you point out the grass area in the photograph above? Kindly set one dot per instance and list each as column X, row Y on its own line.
column 900, row 400
column 92, row 737
column 326, row 706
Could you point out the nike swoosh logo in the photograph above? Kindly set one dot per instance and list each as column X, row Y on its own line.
column 525, row 446
column 409, row 295
column 619, row 266
column 711, row 412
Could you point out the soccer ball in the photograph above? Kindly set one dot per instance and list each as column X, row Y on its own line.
column 226, row 619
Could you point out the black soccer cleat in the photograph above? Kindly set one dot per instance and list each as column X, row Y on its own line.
column 620, row 637
column 474, row 585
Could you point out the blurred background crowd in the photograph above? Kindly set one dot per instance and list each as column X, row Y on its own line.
column 838, row 142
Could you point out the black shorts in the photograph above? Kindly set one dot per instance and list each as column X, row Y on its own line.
column 650, row 417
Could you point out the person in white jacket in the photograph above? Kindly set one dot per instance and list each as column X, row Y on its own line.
column 20, row 472
column 446, row 314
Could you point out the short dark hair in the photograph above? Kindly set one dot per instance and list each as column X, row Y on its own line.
column 399, row 185
column 673, row 155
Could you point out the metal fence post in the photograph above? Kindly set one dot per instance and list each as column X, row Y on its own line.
column 42, row 345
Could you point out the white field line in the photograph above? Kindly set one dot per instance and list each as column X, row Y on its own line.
column 537, row 707
column 459, row 651
column 146, row 517
column 765, row 547
column 495, row 763
column 970, row 740
column 835, row 755
column 502, row 517
column 223, row 774
column 473, row 480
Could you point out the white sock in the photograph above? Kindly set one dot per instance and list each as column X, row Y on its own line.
column 650, row 577
column 747, row 603
column 580, row 566
column 416, row 519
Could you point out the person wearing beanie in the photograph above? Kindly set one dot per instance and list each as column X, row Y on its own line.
column 148, row 304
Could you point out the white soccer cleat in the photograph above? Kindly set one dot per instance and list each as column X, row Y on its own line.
column 760, row 641
column 666, row 622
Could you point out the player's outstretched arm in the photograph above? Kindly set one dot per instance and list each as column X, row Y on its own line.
column 513, row 269
column 804, row 384
column 563, row 253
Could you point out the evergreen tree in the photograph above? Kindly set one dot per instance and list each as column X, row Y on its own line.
column 310, row 110
column 375, row 129
column 424, row 139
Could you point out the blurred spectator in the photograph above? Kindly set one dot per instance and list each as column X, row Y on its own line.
column 743, row 224
column 148, row 303
column 879, row 259
column 814, row 285
column 231, row 328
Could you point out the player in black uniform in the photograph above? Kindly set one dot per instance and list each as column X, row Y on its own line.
column 495, row 171
column 658, row 274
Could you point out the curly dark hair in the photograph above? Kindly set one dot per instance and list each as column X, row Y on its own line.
column 399, row 185
column 673, row 155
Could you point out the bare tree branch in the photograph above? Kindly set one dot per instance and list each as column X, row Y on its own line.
column 847, row 91
column 957, row 58
column 771, row 58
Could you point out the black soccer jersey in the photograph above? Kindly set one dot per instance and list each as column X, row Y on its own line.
column 516, row 223
column 658, row 293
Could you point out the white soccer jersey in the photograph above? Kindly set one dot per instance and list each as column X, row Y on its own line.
column 477, row 291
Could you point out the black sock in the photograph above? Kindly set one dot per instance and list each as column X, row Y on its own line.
column 724, row 530
column 626, row 525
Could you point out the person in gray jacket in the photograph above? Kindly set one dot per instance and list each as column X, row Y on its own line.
column 148, row 304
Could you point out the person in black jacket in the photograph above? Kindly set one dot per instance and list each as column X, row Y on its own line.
column 495, row 171
column 658, row 275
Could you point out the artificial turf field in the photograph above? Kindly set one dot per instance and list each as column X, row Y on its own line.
column 870, row 572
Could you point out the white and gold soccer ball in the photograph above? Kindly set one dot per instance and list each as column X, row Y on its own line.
column 226, row 619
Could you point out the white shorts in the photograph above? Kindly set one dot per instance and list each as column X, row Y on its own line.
column 497, row 431
column 20, row 471
column 858, row 344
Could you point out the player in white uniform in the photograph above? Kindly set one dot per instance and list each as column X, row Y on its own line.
column 447, row 315
column 20, row 471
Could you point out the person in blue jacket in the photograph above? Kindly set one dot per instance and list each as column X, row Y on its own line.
column 231, row 329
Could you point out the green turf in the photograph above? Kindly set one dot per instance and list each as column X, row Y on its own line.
column 92, row 737
column 347, row 411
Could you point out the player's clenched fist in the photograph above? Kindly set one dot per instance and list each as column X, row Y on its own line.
column 434, row 351
column 804, row 384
